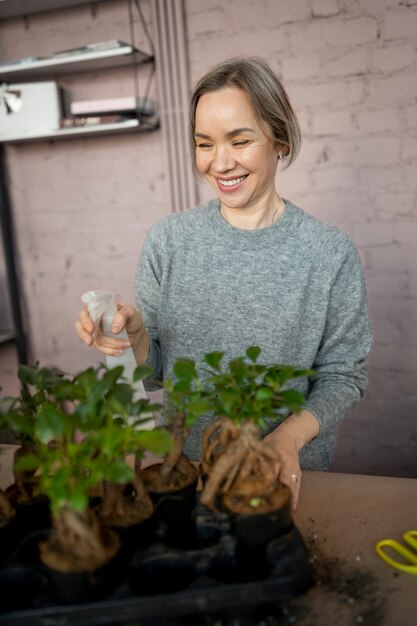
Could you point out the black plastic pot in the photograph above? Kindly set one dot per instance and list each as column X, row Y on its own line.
column 30, row 517
column 254, row 532
column 159, row 570
column 19, row 586
column 33, row 515
column 136, row 536
column 176, row 510
column 80, row 587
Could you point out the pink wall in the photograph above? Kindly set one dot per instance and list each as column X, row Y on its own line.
column 82, row 207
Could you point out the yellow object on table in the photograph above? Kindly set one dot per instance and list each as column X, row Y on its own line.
column 409, row 537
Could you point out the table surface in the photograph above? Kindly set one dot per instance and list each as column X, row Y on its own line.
column 341, row 518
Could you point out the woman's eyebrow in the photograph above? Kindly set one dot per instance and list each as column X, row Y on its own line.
column 231, row 133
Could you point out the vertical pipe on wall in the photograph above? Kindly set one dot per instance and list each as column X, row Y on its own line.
column 172, row 75
column 11, row 270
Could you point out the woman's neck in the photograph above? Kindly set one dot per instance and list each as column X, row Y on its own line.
column 256, row 217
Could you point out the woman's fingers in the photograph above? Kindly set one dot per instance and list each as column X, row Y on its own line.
column 85, row 327
column 111, row 346
column 288, row 468
column 291, row 478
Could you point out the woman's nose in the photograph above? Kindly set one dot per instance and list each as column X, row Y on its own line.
column 223, row 160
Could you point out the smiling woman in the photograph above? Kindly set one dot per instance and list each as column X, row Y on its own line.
column 250, row 268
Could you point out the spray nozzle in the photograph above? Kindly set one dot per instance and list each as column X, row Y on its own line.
column 100, row 304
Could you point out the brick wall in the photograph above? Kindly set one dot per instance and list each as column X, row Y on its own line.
column 82, row 207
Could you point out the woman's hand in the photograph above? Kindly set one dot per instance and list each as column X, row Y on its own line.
column 288, row 468
column 287, row 440
column 126, row 317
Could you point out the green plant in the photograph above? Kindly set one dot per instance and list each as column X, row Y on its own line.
column 18, row 420
column 246, row 390
column 244, row 395
column 83, row 434
column 185, row 402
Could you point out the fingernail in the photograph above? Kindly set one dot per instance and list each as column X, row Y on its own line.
column 115, row 328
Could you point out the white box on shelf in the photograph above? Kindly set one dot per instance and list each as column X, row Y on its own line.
column 27, row 109
column 127, row 104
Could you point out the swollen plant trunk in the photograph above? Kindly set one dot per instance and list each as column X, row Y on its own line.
column 77, row 543
column 246, row 458
column 179, row 435
column 125, row 505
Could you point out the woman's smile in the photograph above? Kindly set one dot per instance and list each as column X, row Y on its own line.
column 229, row 185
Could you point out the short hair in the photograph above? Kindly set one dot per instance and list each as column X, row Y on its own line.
column 266, row 93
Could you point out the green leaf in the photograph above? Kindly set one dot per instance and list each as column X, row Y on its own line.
column 101, row 388
column 142, row 372
column 78, row 501
column 293, row 399
column 28, row 374
column 229, row 400
column 264, row 393
column 26, row 463
column 123, row 392
column 157, row 440
column 185, row 369
column 214, row 359
column 199, row 407
column 119, row 472
column 183, row 386
column 50, row 423
column 67, row 390
column 86, row 378
column 252, row 353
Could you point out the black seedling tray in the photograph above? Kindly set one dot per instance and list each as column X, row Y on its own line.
column 203, row 578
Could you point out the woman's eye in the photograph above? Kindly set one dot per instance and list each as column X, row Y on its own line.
column 203, row 145
column 242, row 142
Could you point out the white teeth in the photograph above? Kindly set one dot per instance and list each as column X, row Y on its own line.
column 234, row 181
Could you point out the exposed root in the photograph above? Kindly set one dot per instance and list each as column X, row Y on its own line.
column 217, row 437
column 245, row 458
column 77, row 543
column 182, row 475
column 125, row 505
column 179, row 435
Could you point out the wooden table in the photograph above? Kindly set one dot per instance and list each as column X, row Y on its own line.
column 342, row 517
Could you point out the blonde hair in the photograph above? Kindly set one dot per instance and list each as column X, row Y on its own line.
column 266, row 93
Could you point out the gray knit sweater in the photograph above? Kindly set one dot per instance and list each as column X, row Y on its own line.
column 295, row 289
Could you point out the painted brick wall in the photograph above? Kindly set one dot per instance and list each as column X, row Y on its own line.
column 350, row 68
column 82, row 207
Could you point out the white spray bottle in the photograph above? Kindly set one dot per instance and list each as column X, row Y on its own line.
column 102, row 305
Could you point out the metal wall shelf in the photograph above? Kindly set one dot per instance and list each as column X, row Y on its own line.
column 16, row 8
column 81, row 62
column 6, row 336
column 98, row 129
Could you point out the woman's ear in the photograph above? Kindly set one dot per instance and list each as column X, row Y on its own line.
column 280, row 150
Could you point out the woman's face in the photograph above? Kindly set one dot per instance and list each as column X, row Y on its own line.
column 232, row 152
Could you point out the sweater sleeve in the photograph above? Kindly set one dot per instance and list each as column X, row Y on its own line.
column 147, row 293
column 340, row 378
